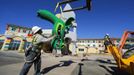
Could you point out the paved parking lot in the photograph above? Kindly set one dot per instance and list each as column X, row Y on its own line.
column 11, row 63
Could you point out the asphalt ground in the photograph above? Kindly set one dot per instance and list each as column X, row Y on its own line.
column 11, row 63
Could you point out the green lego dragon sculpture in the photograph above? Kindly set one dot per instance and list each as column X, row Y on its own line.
column 60, row 28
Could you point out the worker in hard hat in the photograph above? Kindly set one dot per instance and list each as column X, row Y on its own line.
column 33, row 53
column 107, row 41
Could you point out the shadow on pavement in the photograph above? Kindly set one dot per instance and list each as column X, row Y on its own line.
column 80, row 68
column 114, row 70
column 105, row 61
column 86, row 60
column 62, row 64
column 108, row 61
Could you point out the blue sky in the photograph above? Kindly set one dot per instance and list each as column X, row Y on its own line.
column 106, row 16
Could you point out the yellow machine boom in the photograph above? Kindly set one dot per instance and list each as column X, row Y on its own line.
column 125, row 64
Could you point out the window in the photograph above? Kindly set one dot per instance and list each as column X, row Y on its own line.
column 99, row 41
column 94, row 46
column 14, row 45
column 93, row 41
column 118, row 41
column 132, row 40
column 1, row 40
column 29, row 32
column 81, row 49
column 127, row 40
column 24, row 30
column 14, row 28
column 83, row 41
column 126, row 46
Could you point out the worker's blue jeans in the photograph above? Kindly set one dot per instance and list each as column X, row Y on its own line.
column 37, row 63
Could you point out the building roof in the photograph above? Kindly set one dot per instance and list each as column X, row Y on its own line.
column 96, row 38
column 18, row 26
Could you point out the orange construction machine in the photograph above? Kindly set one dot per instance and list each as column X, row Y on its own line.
column 126, row 63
